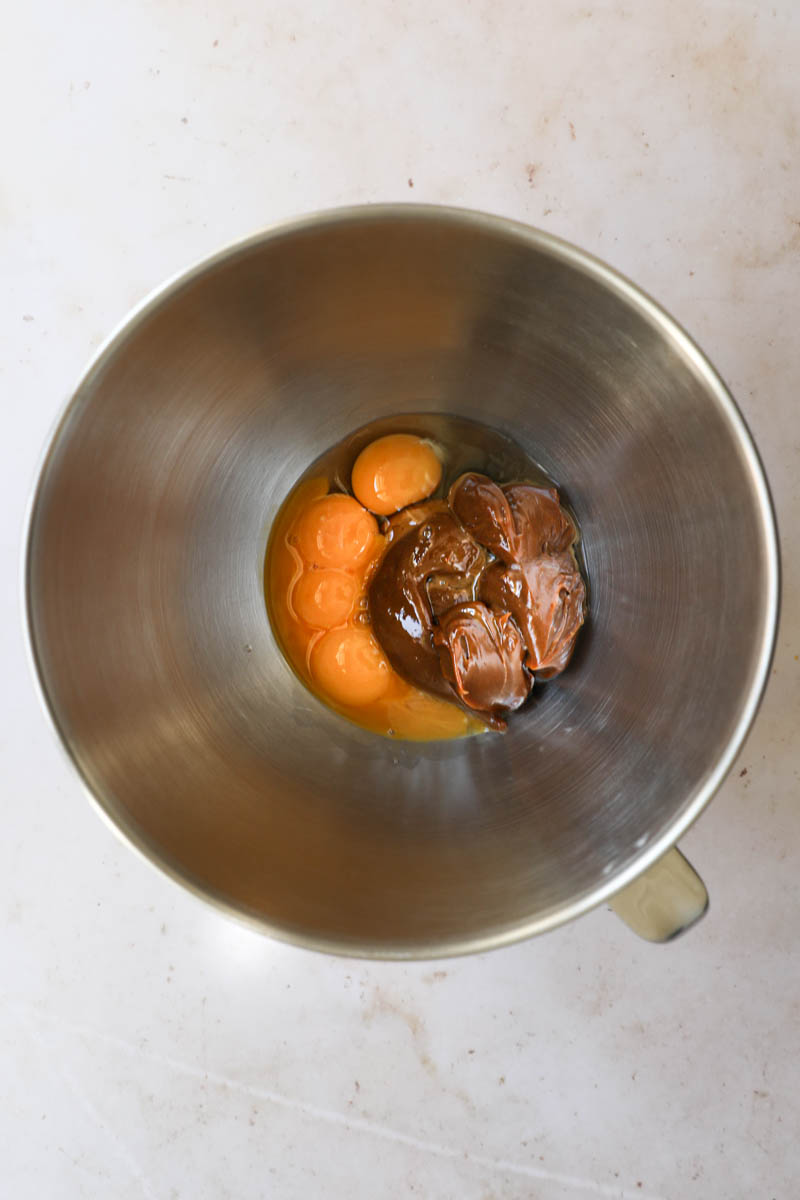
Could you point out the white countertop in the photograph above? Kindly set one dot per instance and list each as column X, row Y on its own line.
column 153, row 1050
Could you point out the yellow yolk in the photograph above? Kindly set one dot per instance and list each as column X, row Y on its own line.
column 324, row 598
column 335, row 531
column 350, row 666
column 394, row 471
column 318, row 611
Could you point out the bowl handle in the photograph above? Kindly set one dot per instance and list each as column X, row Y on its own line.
column 663, row 901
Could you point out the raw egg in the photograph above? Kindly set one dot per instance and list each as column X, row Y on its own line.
column 321, row 555
column 335, row 531
column 324, row 598
column 395, row 471
column 350, row 666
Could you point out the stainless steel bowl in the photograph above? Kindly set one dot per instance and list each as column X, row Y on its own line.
column 146, row 604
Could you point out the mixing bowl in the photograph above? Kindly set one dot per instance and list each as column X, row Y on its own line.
column 146, row 603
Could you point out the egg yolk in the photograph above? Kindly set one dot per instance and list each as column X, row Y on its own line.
column 319, row 611
column 335, row 531
column 394, row 471
column 350, row 666
column 324, row 598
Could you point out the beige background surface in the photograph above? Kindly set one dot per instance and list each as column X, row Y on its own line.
column 152, row 1049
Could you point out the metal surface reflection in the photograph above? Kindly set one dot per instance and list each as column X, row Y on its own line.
column 147, row 612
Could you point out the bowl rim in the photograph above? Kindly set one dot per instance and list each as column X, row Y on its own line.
column 623, row 287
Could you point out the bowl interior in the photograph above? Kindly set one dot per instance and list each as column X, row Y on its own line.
column 147, row 610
